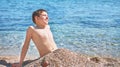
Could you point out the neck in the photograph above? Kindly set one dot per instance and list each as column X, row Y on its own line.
column 41, row 27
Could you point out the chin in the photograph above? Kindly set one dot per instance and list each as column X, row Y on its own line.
column 46, row 23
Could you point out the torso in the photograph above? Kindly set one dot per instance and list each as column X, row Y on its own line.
column 43, row 40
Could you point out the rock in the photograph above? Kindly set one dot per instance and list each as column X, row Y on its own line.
column 66, row 58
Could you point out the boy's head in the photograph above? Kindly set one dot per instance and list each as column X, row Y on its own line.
column 37, row 13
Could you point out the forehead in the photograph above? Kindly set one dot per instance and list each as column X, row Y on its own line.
column 43, row 13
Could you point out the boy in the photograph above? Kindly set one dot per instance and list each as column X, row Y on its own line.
column 40, row 34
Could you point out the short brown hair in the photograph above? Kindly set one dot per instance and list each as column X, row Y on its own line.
column 37, row 13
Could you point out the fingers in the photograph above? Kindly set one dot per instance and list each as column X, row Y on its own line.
column 45, row 64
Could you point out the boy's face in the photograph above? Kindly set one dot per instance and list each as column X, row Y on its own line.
column 42, row 19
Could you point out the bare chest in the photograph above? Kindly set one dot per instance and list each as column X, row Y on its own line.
column 43, row 34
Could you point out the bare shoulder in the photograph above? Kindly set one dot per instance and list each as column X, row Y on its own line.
column 31, row 27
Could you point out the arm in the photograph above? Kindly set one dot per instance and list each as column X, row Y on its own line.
column 25, row 46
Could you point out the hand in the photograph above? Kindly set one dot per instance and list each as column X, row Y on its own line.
column 45, row 63
column 16, row 65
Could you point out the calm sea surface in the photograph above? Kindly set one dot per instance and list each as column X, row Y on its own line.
column 91, row 27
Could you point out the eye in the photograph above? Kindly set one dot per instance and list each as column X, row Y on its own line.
column 44, row 15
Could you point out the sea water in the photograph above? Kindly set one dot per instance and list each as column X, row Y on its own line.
column 91, row 27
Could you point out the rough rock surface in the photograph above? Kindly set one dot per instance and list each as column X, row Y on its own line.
column 66, row 58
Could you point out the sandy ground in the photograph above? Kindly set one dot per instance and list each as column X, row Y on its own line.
column 6, row 61
column 62, row 58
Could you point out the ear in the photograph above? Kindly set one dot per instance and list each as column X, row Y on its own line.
column 36, row 18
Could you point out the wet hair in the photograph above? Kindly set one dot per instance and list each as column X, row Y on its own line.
column 37, row 13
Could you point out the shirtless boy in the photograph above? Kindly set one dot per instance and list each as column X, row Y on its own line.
column 40, row 34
